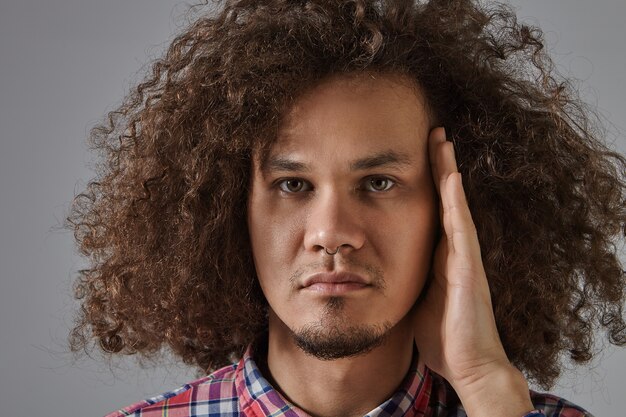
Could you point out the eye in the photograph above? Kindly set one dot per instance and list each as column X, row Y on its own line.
column 293, row 185
column 378, row 184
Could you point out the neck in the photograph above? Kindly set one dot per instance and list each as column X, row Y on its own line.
column 343, row 387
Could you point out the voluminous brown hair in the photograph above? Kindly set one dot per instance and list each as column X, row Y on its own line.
column 164, row 223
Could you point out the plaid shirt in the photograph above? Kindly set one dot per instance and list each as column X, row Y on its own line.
column 239, row 390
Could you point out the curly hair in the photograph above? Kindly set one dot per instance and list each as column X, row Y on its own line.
column 163, row 224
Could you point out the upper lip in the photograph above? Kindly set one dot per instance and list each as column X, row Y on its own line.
column 333, row 278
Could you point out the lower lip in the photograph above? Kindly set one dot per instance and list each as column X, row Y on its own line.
column 334, row 288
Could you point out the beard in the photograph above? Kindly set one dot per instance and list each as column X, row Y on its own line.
column 332, row 338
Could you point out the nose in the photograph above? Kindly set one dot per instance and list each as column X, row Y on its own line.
column 333, row 221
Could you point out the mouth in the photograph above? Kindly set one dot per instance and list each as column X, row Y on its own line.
column 335, row 283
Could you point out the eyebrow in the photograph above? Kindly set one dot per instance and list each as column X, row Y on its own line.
column 386, row 158
column 284, row 164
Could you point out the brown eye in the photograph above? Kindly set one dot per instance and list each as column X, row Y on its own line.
column 378, row 184
column 293, row 185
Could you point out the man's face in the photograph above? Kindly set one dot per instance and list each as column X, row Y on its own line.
column 350, row 170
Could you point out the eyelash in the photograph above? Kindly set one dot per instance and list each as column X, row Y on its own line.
column 282, row 184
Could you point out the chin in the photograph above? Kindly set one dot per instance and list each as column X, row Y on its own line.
column 338, row 339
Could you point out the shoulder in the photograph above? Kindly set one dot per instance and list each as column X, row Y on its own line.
column 555, row 406
column 212, row 395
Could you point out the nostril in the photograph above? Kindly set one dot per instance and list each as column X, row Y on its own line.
column 333, row 252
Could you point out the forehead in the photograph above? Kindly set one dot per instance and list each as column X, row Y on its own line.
column 369, row 111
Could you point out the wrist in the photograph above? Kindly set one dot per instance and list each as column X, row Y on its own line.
column 500, row 391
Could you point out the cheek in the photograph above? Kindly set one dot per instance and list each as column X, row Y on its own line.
column 410, row 247
column 411, row 271
column 273, row 243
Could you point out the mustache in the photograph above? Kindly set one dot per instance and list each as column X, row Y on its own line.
column 375, row 274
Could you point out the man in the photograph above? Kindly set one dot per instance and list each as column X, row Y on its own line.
column 281, row 200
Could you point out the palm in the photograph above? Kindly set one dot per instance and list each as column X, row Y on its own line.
column 455, row 329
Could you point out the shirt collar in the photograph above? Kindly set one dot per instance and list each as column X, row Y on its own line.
column 411, row 398
column 257, row 398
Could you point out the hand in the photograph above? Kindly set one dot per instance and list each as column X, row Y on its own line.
column 455, row 329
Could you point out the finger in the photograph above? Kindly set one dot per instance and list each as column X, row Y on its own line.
column 442, row 162
column 436, row 137
column 459, row 226
column 446, row 222
column 446, row 160
column 446, row 166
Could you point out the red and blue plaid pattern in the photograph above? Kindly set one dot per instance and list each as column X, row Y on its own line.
column 239, row 390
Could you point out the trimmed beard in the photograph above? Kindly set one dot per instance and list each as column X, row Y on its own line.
column 330, row 339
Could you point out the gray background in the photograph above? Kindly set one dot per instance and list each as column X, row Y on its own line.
column 63, row 64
